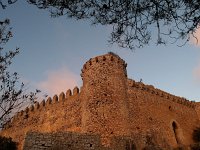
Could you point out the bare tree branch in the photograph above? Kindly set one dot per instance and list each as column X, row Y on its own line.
column 134, row 21
column 12, row 92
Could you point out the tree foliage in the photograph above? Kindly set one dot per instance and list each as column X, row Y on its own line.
column 12, row 92
column 134, row 22
column 195, row 146
column 196, row 139
column 196, row 135
column 7, row 144
column 4, row 3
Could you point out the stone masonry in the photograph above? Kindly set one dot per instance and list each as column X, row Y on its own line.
column 111, row 111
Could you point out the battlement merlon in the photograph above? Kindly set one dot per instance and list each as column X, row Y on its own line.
column 103, row 58
column 151, row 89
column 43, row 104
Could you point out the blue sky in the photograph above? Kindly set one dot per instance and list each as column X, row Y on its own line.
column 53, row 51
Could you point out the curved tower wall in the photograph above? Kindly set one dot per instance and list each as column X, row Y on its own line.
column 104, row 100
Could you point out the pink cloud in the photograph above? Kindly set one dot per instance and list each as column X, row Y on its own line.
column 196, row 73
column 58, row 81
column 195, row 39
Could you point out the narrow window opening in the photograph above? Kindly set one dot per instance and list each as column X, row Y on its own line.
column 176, row 132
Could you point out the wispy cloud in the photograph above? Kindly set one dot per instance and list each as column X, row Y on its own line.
column 58, row 81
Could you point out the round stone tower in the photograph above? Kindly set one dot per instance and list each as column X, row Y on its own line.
column 104, row 97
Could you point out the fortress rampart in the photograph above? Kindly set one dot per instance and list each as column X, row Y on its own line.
column 60, row 113
column 56, row 101
column 150, row 88
column 109, row 106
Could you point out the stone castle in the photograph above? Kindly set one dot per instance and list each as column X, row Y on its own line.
column 110, row 112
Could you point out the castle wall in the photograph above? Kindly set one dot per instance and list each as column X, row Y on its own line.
column 109, row 106
column 58, row 114
column 168, row 118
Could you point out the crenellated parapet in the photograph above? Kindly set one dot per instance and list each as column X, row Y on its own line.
column 152, row 90
column 108, row 58
column 24, row 114
column 109, row 105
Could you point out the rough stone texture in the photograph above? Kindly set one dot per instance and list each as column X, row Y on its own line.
column 73, row 141
column 62, row 115
column 110, row 112
column 61, row 140
column 105, row 102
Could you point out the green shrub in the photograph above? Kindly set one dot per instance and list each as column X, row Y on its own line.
column 7, row 144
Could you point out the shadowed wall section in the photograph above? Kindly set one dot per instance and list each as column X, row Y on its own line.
column 160, row 113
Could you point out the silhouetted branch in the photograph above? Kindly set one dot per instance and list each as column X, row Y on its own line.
column 4, row 3
column 12, row 92
column 135, row 22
